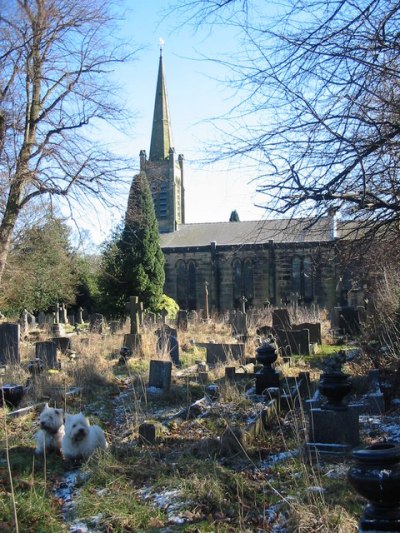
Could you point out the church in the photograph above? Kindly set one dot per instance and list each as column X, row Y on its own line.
column 259, row 263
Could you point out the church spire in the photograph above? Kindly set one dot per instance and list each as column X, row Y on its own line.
column 161, row 137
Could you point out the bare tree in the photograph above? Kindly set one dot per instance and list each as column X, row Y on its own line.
column 56, row 58
column 320, row 113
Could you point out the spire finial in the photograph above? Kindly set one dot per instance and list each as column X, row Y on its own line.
column 162, row 43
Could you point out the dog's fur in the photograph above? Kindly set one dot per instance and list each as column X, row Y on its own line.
column 51, row 430
column 81, row 439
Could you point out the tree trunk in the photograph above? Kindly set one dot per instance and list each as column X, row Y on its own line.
column 8, row 224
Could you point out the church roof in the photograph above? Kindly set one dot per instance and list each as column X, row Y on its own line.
column 161, row 136
column 249, row 232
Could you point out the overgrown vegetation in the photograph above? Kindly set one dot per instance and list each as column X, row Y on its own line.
column 201, row 475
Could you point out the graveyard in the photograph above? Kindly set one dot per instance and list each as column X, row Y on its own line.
column 239, row 422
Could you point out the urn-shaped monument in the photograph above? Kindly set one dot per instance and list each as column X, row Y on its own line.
column 376, row 476
column 267, row 377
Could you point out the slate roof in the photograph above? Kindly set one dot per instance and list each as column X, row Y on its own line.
column 249, row 232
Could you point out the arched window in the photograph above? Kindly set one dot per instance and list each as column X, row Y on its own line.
column 296, row 276
column 243, row 282
column 302, row 278
column 181, row 285
column 192, row 300
column 186, row 285
column 308, row 280
column 248, row 281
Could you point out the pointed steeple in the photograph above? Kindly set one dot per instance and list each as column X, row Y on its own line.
column 161, row 137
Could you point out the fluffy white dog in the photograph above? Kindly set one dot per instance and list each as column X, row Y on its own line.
column 81, row 439
column 51, row 431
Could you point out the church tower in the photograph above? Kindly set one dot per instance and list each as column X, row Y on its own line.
column 163, row 169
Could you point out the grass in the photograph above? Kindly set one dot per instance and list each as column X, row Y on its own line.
column 210, row 489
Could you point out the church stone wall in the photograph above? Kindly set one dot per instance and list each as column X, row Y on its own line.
column 272, row 273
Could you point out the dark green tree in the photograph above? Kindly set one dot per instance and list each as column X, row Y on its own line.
column 133, row 262
column 234, row 216
column 42, row 269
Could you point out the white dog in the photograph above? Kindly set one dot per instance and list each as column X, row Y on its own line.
column 51, row 430
column 81, row 439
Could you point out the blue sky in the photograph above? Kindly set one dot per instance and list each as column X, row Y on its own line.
column 196, row 93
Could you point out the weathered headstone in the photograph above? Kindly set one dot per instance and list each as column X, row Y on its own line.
column 41, row 318
column 58, row 329
column 62, row 343
column 314, row 328
column 115, row 325
column 135, row 308
column 57, row 314
column 293, row 341
column 220, row 353
column 9, row 343
column 348, row 320
column 79, row 315
column 281, row 319
column 206, row 308
column 167, row 341
column 238, row 322
column 182, row 320
column 63, row 314
column 193, row 316
column 160, row 374
column 47, row 353
column 96, row 323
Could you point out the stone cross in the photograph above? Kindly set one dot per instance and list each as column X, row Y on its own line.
column 136, row 314
column 206, row 310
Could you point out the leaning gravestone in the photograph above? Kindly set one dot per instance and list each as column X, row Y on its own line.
column 314, row 328
column 47, row 353
column 9, row 343
column 160, row 374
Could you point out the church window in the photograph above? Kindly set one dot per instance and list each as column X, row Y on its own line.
column 302, row 279
column 181, row 284
column 186, row 285
column 243, row 282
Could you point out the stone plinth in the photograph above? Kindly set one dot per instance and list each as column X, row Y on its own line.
column 335, row 431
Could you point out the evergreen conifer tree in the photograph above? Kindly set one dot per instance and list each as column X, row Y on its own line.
column 133, row 262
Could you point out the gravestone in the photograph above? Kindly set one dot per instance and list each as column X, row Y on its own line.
column 281, row 319
column 96, row 323
column 23, row 321
column 182, row 320
column 58, row 329
column 41, row 318
column 238, row 322
column 293, row 342
column 193, row 316
column 115, row 325
column 79, row 315
column 160, row 374
column 62, row 343
column 71, row 320
column 47, row 353
column 167, row 340
column 348, row 320
column 9, row 343
column 220, row 353
column 206, row 308
column 57, row 314
column 135, row 308
column 314, row 328
column 63, row 314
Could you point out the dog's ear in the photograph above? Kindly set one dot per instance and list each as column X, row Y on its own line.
column 46, row 405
